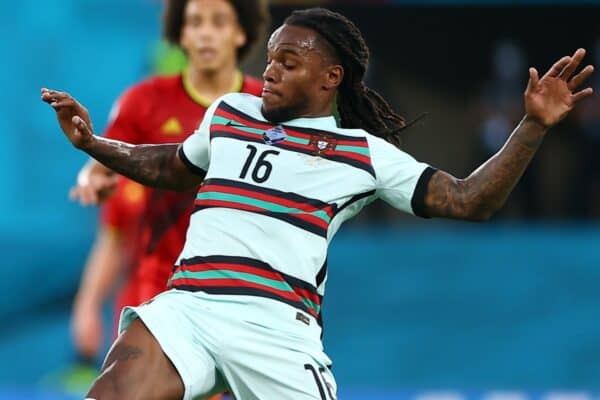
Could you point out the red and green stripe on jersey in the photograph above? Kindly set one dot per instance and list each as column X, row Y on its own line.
column 309, row 214
column 245, row 276
column 228, row 122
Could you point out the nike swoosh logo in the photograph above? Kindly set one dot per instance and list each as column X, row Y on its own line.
column 235, row 124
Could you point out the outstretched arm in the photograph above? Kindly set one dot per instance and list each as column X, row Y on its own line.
column 547, row 101
column 152, row 165
column 155, row 165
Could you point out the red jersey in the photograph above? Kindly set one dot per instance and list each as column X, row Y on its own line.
column 157, row 110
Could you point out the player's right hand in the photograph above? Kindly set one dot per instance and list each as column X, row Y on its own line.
column 550, row 98
column 93, row 188
column 86, row 327
column 73, row 118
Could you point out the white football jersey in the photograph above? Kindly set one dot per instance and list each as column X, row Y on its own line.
column 275, row 195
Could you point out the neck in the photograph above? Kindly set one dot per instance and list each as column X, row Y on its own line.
column 287, row 114
column 211, row 85
column 326, row 110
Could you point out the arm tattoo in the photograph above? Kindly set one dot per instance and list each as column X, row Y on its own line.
column 148, row 164
column 484, row 191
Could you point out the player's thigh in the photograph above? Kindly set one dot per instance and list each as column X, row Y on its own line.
column 178, row 325
column 137, row 368
column 280, row 374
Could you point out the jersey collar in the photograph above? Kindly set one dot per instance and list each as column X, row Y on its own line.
column 191, row 91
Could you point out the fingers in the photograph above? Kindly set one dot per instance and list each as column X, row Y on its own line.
column 47, row 97
column 53, row 92
column 61, row 99
column 81, row 126
column 51, row 96
column 94, row 190
column 580, row 77
column 582, row 94
column 533, row 79
column 107, row 182
column 67, row 102
column 573, row 64
column 85, row 195
column 558, row 67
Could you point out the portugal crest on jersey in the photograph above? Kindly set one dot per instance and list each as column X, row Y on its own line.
column 322, row 143
column 274, row 135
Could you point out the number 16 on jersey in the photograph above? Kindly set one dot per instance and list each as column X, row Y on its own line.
column 262, row 168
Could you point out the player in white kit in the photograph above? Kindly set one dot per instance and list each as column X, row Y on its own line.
column 278, row 177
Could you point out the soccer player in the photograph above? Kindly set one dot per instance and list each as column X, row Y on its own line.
column 278, row 179
column 141, row 227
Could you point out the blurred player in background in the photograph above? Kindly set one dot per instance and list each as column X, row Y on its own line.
column 145, row 228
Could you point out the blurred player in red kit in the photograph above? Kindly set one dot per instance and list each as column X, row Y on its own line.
column 145, row 228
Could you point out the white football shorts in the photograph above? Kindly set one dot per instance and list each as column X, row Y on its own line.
column 253, row 347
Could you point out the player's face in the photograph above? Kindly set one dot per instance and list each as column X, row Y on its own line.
column 211, row 34
column 295, row 79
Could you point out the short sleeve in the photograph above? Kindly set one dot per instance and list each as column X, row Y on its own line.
column 125, row 117
column 401, row 181
column 195, row 151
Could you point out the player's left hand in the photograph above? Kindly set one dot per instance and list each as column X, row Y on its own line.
column 549, row 99
column 93, row 187
column 74, row 118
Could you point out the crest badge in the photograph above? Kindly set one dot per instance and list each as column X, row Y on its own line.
column 322, row 143
column 274, row 135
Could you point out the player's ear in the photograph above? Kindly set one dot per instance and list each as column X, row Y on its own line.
column 334, row 75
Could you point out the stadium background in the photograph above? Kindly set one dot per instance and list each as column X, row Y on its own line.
column 507, row 309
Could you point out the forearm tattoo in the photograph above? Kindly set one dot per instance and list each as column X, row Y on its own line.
column 484, row 191
column 149, row 165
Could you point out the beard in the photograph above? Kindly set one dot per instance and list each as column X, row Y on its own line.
column 284, row 113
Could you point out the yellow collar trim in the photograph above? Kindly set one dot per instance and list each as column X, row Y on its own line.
column 238, row 82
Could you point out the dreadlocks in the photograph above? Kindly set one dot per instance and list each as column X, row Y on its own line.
column 358, row 105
